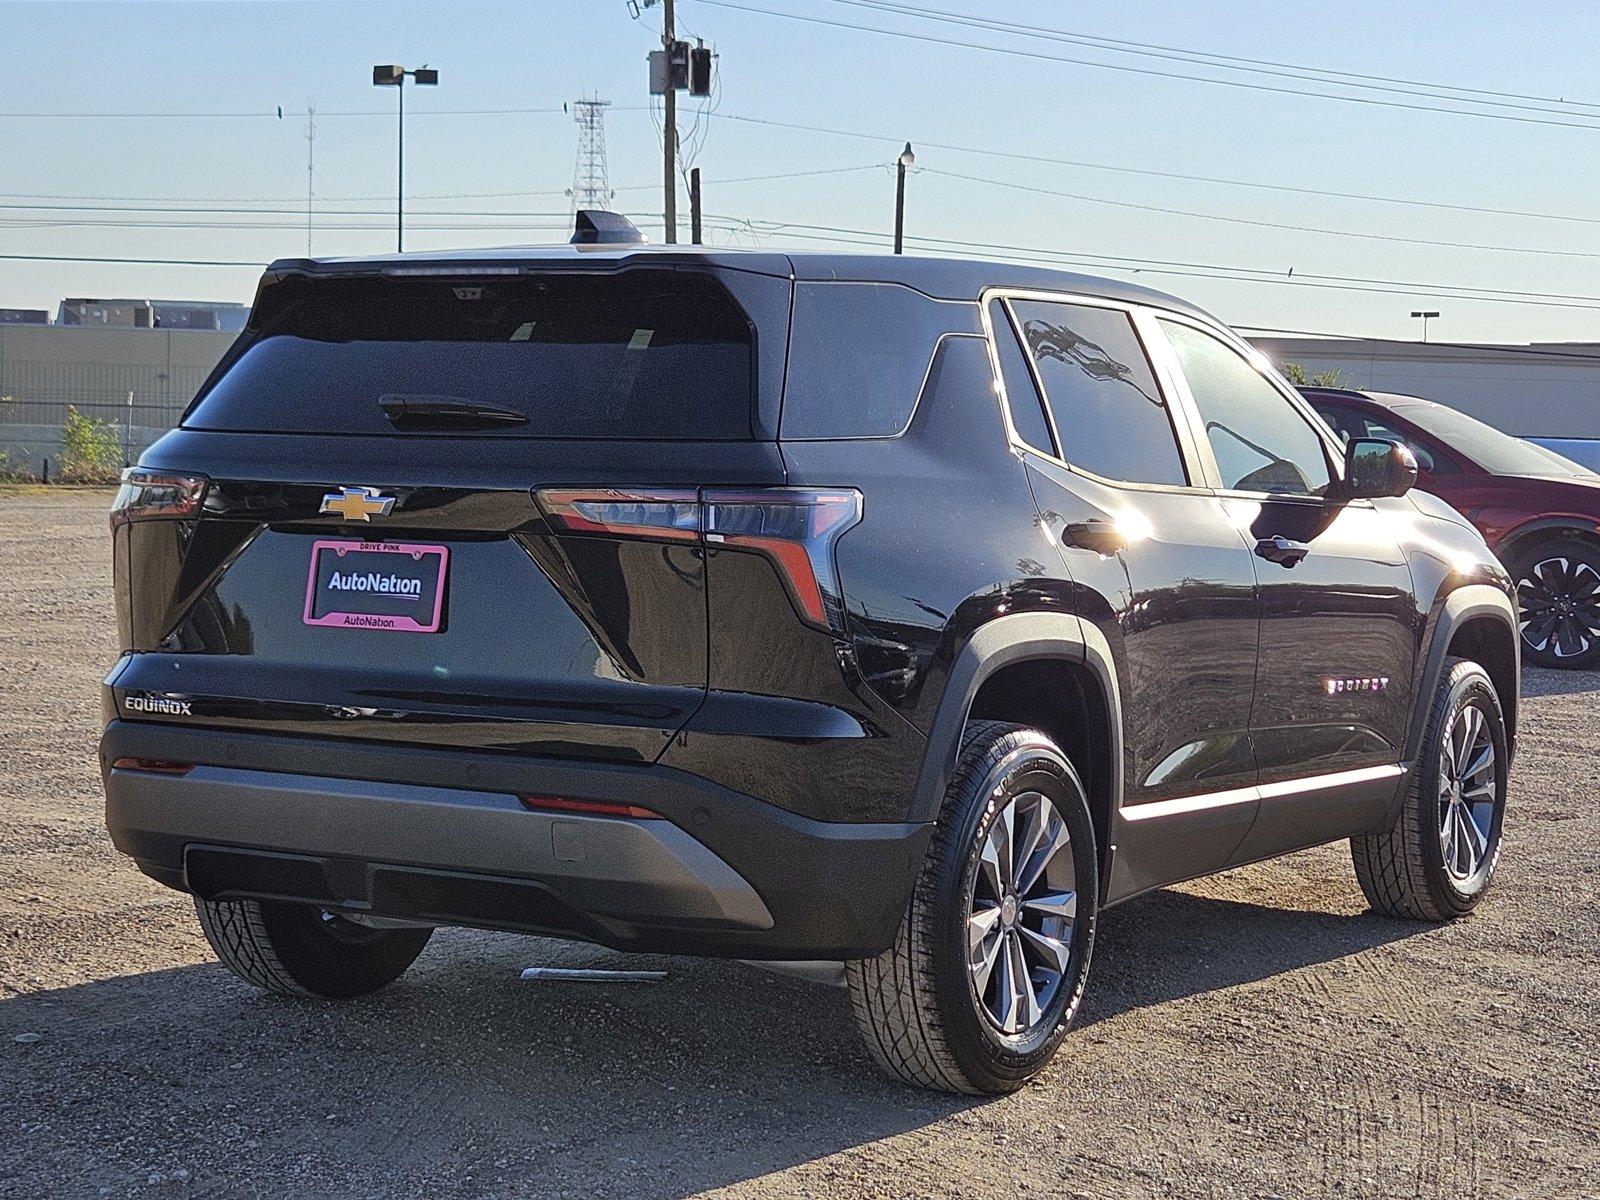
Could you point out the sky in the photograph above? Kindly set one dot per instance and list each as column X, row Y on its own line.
column 1082, row 168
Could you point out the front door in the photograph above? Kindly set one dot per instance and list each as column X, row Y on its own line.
column 1333, row 676
column 1165, row 577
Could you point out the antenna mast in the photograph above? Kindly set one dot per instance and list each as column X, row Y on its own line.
column 311, row 167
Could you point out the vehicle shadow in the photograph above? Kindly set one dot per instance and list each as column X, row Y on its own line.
column 462, row 1078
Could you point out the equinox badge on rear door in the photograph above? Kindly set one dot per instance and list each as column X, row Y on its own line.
column 357, row 503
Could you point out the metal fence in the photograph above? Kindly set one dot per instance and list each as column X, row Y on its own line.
column 137, row 382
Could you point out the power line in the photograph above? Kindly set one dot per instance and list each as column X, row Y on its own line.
column 241, row 200
column 1224, row 271
column 1041, row 56
column 1233, row 62
column 271, row 114
column 1185, row 212
column 1020, row 156
column 141, row 262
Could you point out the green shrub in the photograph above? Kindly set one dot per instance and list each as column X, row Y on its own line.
column 91, row 452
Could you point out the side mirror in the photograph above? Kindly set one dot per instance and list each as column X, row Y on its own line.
column 1377, row 467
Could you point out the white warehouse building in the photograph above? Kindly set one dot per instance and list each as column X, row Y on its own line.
column 1548, row 391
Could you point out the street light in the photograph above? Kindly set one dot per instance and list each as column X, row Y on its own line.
column 905, row 160
column 1426, row 316
column 393, row 75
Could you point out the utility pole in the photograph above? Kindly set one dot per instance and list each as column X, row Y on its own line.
column 311, row 167
column 669, row 133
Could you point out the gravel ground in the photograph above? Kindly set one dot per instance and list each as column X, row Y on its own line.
column 1254, row 1034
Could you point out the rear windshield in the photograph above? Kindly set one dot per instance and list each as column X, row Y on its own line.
column 640, row 355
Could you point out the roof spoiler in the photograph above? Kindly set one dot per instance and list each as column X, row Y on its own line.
column 596, row 226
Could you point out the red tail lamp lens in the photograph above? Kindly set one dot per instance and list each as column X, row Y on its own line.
column 589, row 808
column 147, row 494
column 796, row 528
column 154, row 766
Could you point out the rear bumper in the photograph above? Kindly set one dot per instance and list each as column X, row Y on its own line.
column 440, row 836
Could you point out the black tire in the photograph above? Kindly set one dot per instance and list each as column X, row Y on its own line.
column 916, row 1004
column 1558, row 587
column 1403, row 871
column 297, row 950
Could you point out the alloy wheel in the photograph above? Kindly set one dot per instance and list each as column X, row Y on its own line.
column 1468, row 794
column 1560, row 601
column 1024, row 904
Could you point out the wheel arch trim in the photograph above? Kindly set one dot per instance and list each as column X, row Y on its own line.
column 1469, row 602
column 1003, row 642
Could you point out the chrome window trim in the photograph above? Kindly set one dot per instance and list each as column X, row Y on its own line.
column 1189, row 454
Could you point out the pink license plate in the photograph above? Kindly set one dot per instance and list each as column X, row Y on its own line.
column 376, row 585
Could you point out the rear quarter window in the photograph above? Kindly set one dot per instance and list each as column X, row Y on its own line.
column 858, row 356
column 643, row 354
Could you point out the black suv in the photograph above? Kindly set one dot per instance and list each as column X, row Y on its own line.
column 884, row 615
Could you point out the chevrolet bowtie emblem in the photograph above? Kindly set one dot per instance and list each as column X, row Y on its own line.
column 357, row 503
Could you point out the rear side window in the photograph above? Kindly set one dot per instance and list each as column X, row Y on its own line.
column 858, row 355
column 642, row 354
column 1027, row 410
column 1109, row 413
column 1347, row 422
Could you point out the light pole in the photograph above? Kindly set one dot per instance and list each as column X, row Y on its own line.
column 1426, row 316
column 905, row 160
column 393, row 75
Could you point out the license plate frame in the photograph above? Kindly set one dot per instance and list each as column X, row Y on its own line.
column 325, row 606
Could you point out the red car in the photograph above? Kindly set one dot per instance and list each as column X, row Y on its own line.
column 1538, row 511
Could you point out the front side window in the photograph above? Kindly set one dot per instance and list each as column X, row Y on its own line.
column 1109, row 414
column 1260, row 440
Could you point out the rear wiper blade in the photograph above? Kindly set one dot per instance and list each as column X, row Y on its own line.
column 445, row 412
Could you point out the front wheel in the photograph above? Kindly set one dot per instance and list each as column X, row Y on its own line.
column 989, row 966
column 1438, row 858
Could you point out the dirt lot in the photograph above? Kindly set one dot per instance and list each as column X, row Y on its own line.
column 1255, row 1034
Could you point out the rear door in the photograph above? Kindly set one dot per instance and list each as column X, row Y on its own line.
column 453, row 512
column 1338, row 619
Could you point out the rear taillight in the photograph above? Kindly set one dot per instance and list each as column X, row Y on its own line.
column 672, row 516
column 146, row 494
column 796, row 528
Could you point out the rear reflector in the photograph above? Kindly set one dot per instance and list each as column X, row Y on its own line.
column 796, row 528
column 588, row 808
column 155, row 766
column 146, row 494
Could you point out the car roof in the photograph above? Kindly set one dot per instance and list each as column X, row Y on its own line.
column 945, row 278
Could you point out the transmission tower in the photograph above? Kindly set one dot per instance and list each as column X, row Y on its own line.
column 590, row 186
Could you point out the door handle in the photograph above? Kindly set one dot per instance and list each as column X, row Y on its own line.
column 1102, row 537
column 1282, row 550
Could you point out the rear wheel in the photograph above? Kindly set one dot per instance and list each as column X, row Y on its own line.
column 1437, row 860
column 1558, row 591
column 297, row 950
column 989, row 966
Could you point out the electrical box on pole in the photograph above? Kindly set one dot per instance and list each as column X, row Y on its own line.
column 699, row 79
